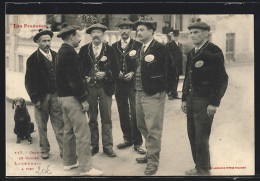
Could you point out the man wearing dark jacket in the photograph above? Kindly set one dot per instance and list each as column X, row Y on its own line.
column 204, row 85
column 41, row 87
column 175, row 48
column 126, row 49
column 73, row 98
column 100, row 66
column 151, row 86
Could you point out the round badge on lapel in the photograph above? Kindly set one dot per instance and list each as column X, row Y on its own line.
column 104, row 58
column 149, row 58
column 199, row 64
column 132, row 53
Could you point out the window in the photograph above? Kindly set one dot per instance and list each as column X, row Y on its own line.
column 20, row 63
column 230, row 46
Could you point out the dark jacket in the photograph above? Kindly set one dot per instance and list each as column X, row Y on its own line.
column 69, row 76
column 155, row 72
column 131, row 61
column 109, row 66
column 205, row 74
column 176, row 53
column 37, row 82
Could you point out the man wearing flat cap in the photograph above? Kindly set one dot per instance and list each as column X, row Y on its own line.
column 41, row 87
column 151, row 86
column 204, row 86
column 126, row 51
column 100, row 67
column 175, row 48
column 73, row 98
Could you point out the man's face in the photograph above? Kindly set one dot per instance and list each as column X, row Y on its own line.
column 44, row 43
column 143, row 33
column 76, row 39
column 198, row 36
column 125, row 32
column 96, row 35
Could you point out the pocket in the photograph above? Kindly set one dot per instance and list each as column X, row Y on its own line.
column 156, row 76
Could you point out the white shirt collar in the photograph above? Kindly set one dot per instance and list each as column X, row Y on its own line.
column 99, row 46
column 46, row 54
column 197, row 48
column 127, row 41
column 147, row 44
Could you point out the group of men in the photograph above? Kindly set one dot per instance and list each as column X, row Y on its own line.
column 71, row 87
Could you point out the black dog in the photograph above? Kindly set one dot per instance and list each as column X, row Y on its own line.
column 23, row 125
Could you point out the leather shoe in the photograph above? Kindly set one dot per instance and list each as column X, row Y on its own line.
column 95, row 150
column 139, row 149
column 150, row 169
column 191, row 172
column 141, row 159
column 45, row 155
column 124, row 144
column 110, row 152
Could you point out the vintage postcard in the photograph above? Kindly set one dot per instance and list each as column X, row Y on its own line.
column 232, row 137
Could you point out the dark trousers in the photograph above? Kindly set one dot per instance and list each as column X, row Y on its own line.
column 125, row 93
column 199, row 128
column 175, row 82
column 97, row 96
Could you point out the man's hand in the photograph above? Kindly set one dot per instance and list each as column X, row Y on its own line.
column 129, row 76
column 184, row 107
column 87, row 78
column 211, row 110
column 120, row 75
column 38, row 105
column 85, row 106
column 100, row 75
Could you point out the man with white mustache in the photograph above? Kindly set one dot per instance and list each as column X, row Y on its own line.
column 100, row 67
column 126, row 49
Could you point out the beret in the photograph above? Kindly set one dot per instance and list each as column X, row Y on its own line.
column 67, row 29
column 96, row 26
column 199, row 25
column 147, row 21
column 42, row 32
column 125, row 22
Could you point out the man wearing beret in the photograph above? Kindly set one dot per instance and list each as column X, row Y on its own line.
column 204, row 85
column 100, row 66
column 73, row 99
column 151, row 87
column 175, row 48
column 126, row 50
column 41, row 87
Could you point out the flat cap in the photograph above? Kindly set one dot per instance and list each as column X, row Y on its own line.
column 42, row 32
column 147, row 21
column 125, row 22
column 199, row 25
column 96, row 26
column 67, row 29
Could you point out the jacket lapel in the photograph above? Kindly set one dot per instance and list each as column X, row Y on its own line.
column 91, row 53
column 148, row 49
column 199, row 52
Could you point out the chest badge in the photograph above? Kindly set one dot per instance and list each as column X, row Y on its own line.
column 199, row 64
column 149, row 58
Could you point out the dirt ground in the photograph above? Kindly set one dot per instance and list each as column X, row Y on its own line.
column 231, row 142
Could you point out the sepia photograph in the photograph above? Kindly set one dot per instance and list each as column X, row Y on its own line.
column 129, row 95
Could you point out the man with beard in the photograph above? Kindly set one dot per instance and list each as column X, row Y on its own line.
column 73, row 98
column 204, row 86
column 151, row 87
column 126, row 50
column 100, row 66
column 41, row 87
column 175, row 48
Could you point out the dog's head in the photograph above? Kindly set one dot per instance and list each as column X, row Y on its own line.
column 19, row 103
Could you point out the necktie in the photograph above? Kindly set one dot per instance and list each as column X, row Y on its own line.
column 96, row 51
column 142, row 51
column 124, row 44
column 48, row 56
